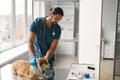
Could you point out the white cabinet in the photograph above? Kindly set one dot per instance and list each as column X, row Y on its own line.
column 67, row 23
column 65, row 47
column 66, row 43
column 90, row 33
column 67, row 31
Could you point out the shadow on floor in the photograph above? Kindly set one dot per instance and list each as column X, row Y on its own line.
column 61, row 73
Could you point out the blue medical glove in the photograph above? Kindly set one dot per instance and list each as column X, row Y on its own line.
column 33, row 61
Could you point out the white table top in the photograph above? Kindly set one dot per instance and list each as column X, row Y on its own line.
column 6, row 72
column 80, row 70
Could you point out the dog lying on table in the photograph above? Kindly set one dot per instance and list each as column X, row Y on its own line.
column 23, row 68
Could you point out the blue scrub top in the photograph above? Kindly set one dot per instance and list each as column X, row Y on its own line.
column 44, row 36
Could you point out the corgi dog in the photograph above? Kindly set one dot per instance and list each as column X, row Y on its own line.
column 24, row 69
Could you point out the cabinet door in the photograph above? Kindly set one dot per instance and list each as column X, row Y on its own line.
column 65, row 48
column 89, row 32
column 67, row 23
column 67, row 31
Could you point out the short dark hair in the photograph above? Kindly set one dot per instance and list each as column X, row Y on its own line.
column 57, row 10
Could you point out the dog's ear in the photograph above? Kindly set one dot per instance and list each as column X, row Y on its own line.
column 42, row 61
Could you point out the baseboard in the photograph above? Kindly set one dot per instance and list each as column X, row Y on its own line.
column 60, row 55
column 108, row 59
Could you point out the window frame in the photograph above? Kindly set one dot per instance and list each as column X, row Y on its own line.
column 13, row 21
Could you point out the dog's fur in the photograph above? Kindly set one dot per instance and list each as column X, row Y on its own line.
column 23, row 68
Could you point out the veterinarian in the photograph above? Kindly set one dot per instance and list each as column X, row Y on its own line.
column 43, row 36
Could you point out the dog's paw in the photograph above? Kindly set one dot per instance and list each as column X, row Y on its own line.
column 14, row 77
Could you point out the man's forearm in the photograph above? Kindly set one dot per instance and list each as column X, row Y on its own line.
column 51, row 50
column 49, row 53
column 31, row 48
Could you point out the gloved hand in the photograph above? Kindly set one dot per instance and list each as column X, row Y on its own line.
column 33, row 61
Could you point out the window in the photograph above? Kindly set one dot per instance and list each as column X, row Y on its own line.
column 20, row 23
column 15, row 17
column 5, row 25
column 29, row 11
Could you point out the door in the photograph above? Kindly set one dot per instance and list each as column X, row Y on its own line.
column 90, row 33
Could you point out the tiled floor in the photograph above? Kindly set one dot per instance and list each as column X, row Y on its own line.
column 65, row 61
column 106, row 66
column 62, row 66
column 106, row 70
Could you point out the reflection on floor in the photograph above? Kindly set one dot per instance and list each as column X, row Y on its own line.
column 65, row 61
column 62, row 66
column 61, row 73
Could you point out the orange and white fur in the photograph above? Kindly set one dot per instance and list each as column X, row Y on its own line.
column 23, row 68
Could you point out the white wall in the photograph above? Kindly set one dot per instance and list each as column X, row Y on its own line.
column 90, row 33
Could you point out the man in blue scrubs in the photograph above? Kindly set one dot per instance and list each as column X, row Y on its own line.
column 43, row 36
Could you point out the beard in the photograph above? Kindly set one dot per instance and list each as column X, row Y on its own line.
column 54, row 23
